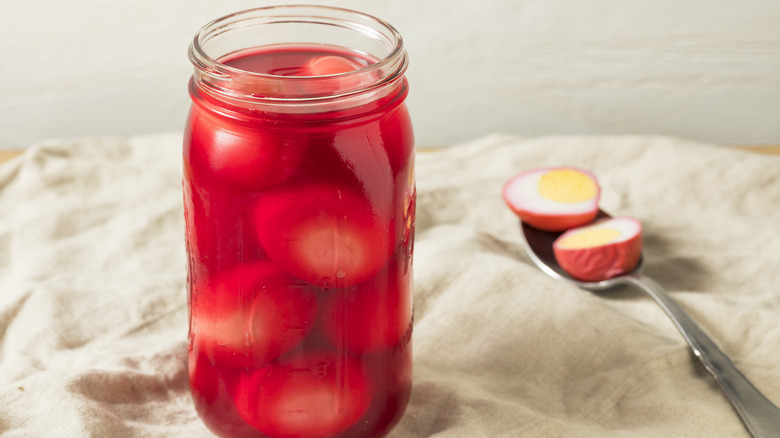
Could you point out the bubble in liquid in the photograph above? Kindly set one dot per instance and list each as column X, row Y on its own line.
column 321, row 369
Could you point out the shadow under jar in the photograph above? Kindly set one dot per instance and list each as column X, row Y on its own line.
column 299, row 202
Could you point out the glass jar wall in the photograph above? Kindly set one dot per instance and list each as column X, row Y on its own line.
column 299, row 204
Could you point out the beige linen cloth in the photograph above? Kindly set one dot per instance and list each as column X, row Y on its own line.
column 93, row 311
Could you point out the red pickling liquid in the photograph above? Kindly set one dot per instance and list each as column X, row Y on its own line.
column 299, row 234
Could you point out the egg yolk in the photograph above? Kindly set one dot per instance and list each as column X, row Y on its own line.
column 588, row 238
column 567, row 185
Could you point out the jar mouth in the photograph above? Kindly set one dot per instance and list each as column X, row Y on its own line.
column 295, row 25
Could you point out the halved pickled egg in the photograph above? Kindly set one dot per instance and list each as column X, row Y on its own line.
column 600, row 250
column 553, row 198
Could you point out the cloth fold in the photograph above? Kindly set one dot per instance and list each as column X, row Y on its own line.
column 93, row 316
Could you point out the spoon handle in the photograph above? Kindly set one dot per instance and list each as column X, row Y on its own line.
column 760, row 415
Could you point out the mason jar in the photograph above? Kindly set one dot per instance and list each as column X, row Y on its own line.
column 299, row 201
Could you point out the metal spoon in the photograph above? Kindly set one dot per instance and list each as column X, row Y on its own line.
column 760, row 416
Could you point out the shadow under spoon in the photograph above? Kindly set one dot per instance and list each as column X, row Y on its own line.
column 760, row 416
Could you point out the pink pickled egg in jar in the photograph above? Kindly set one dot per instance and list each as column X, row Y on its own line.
column 330, row 65
column 251, row 314
column 324, row 234
column 313, row 394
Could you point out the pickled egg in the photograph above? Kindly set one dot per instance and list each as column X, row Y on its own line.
column 600, row 250
column 251, row 314
column 330, row 65
column 313, row 394
column 553, row 198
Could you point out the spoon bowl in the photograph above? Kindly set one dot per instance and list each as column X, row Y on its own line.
column 759, row 415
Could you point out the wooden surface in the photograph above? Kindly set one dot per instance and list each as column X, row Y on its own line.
column 6, row 155
column 771, row 150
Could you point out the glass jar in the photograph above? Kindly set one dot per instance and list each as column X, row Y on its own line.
column 299, row 202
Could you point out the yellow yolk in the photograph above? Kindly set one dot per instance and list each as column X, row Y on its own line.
column 588, row 238
column 567, row 185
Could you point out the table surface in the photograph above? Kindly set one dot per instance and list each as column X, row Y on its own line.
column 772, row 150
column 6, row 155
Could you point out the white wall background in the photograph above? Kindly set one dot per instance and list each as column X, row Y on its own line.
column 702, row 69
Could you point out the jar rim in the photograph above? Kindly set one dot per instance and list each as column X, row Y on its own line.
column 234, row 83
